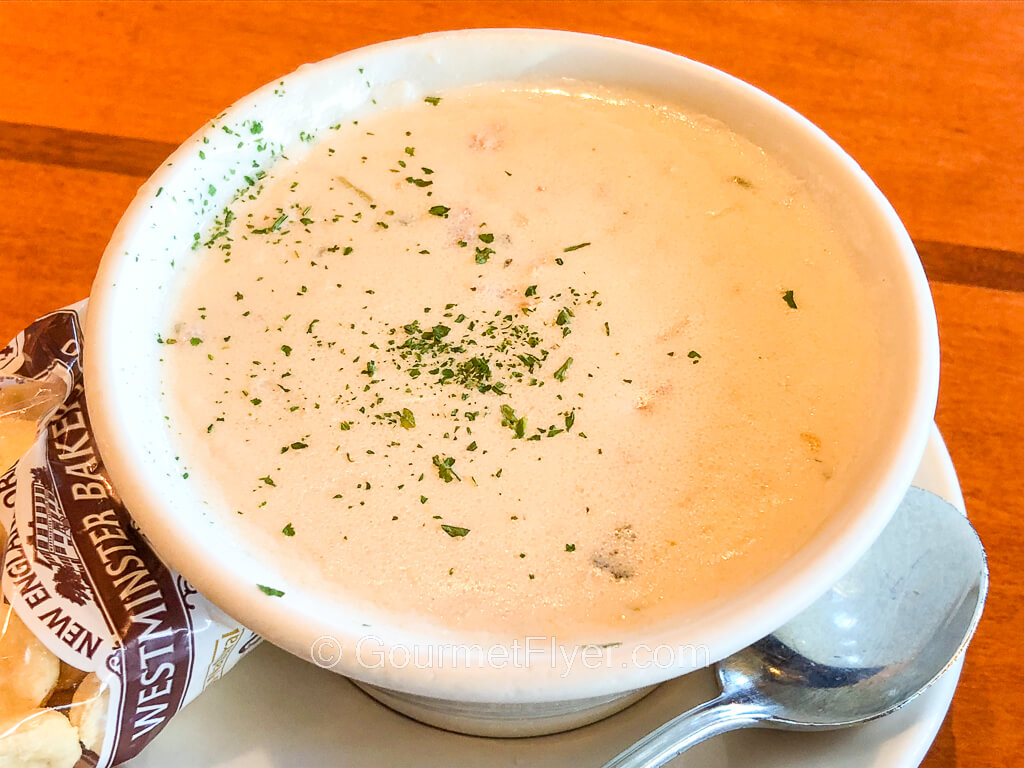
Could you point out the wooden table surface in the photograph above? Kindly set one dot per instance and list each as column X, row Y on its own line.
column 928, row 97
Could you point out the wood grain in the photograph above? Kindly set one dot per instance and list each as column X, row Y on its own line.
column 928, row 97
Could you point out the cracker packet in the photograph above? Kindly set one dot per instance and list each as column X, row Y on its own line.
column 100, row 642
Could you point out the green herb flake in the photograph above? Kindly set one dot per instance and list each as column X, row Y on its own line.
column 694, row 355
column 439, row 210
column 433, row 100
column 570, row 547
column 564, row 369
column 286, row 349
column 445, row 469
column 407, row 419
column 513, row 422
column 788, row 298
column 278, row 222
column 575, row 247
column 270, row 591
column 455, row 531
column 288, row 530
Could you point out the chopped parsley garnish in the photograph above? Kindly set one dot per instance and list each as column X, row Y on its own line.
column 575, row 247
column 273, row 227
column 454, row 531
column 445, row 469
column 432, row 100
column 563, row 319
column 439, row 210
column 270, row 591
column 788, row 298
column 407, row 419
column 288, row 530
column 515, row 423
column 570, row 547
column 694, row 355
column 560, row 373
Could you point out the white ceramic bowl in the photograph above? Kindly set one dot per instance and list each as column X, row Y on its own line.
column 537, row 692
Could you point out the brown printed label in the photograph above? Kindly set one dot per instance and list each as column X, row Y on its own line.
column 80, row 574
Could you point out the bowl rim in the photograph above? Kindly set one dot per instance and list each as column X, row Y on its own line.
column 294, row 624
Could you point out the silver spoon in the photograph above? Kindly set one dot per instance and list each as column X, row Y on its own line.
column 881, row 636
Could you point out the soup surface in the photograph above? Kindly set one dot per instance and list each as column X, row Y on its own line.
column 524, row 359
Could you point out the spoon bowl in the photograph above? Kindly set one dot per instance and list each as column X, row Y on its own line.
column 875, row 641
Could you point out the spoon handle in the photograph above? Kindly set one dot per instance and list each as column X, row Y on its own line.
column 727, row 712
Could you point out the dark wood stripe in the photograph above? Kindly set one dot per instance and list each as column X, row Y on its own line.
column 79, row 149
column 943, row 262
column 967, row 265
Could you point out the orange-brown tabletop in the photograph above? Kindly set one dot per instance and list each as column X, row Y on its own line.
column 927, row 97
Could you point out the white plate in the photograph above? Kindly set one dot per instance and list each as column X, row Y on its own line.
column 278, row 710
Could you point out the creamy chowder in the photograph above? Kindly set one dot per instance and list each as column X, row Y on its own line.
column 543, row 360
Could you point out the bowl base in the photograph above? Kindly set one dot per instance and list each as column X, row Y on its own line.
column 504, row 720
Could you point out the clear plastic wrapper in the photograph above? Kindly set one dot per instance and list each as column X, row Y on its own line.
column 100, row 642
